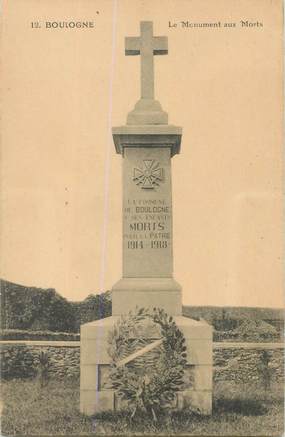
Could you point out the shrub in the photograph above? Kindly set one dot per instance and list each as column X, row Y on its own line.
column 264, row 370
column 34, row 308
column 255, row 330
column 94, row 307
column 43, row 368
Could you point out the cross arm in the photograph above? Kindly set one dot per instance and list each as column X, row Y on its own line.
column 160, row 45
column 132, row 45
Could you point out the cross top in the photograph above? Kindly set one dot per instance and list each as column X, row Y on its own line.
column 147, row 46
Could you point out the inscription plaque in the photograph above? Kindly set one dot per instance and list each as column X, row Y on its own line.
column 147, row 216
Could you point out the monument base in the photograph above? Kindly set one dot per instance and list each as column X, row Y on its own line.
column 95, row 397
column 164, row 293
column 147, row 111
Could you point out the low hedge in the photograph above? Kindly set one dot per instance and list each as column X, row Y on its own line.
column 18, row 334
column 236, row 337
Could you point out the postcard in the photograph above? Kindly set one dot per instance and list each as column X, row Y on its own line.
column 141, row 220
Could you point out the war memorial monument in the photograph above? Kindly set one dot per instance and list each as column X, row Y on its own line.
column 147, row 144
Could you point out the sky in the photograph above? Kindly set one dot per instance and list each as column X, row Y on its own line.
column 64, row 89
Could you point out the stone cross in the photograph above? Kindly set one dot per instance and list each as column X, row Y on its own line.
column 147, row 46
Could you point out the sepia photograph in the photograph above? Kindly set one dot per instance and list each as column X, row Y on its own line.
column 142, row 288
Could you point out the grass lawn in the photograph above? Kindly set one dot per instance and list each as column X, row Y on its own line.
column 54, row 410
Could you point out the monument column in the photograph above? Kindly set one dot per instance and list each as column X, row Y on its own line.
column 147, row 143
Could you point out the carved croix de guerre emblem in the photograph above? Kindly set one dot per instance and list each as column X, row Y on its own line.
column 149, row 175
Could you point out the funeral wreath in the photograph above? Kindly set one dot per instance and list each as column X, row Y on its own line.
column 147, row 370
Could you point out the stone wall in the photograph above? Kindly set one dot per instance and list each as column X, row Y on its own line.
column 247, row 365
column 23, row 360
column 233, row 364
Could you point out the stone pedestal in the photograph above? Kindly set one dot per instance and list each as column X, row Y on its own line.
column 95, row 397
